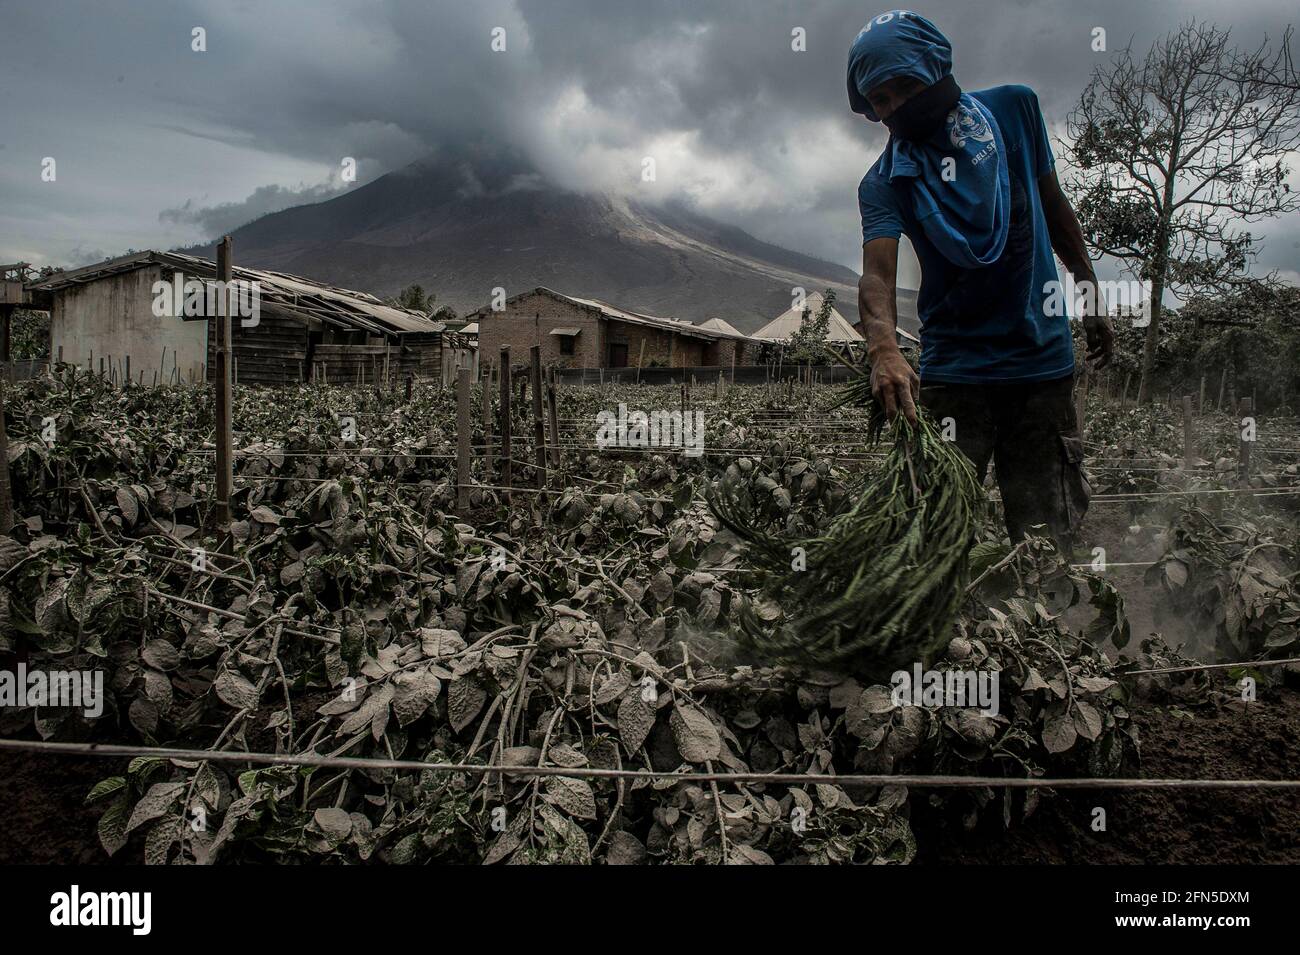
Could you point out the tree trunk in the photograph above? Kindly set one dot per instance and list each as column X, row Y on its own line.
column 1145, row 382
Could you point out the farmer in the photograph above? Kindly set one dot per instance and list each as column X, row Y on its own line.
column 968, row 177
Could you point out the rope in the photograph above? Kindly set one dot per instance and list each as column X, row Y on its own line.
column 1214, row 666
column 785, row 779
column 1257, row 492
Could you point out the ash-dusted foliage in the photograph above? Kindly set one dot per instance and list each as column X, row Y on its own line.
column 356, row 614
column 878, row 585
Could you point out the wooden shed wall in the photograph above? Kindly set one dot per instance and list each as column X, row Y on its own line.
column 272, row 352
column 416, row 355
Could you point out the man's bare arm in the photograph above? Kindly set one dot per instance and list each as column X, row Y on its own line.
column 1069, row 245
column 893, row 380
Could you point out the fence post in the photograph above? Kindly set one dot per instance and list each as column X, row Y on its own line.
column 222, row 386
column 487, row 418
column 6, row 494
column 539, row 424
column 503, row 376
column 1189, row 435
column 462, row 439
column 554, row 415
column 1243, row 460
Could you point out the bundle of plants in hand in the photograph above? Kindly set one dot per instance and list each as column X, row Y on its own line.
column 876, row 588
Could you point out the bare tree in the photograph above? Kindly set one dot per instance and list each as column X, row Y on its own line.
column 1176, row 152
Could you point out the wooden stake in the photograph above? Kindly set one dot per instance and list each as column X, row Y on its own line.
column 553, row 415
column 486, row 388
column 539, row 423
column 503, row 374
column 1189, row 435
column 222, row 388
column 1243, row 446
column 640, row 361
column 1223, row 380
column 6, row 493
column 462, row 439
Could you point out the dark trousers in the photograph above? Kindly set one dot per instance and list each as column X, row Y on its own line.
column 1030, row 433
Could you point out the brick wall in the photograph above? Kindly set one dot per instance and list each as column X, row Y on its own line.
column 662, row 347
column 528, row 321
column 727, row 349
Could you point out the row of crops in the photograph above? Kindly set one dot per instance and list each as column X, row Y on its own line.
column 582, row 618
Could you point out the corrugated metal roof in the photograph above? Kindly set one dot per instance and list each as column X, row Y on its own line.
column 276, row 290
column 566, row 331
column 635, row 318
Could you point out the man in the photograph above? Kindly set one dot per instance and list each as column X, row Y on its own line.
column 968, row 177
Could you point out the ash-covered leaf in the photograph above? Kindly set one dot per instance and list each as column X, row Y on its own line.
column 573, row 795
column 695, row 735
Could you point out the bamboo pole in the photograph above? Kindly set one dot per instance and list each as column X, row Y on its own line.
column 1189, row 433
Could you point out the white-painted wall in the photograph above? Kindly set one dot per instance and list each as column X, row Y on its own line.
column 113, row 317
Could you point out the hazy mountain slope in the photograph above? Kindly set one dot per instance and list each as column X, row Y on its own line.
column 462, row 226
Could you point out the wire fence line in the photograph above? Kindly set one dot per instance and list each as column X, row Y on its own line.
column 1213, row 666
column 917, row 781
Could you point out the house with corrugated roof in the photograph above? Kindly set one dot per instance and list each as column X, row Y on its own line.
column 149, row 311
column 575, row 332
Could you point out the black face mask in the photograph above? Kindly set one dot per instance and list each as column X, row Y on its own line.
column 923, row 115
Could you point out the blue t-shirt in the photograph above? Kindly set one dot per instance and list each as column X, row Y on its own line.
column 986, row 324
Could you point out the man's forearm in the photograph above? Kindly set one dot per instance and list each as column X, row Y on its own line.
column 1068, row 242
column 877, row 316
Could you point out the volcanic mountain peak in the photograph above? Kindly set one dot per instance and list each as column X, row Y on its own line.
column 461, row 225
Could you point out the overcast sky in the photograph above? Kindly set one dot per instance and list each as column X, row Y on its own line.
column 158, row 145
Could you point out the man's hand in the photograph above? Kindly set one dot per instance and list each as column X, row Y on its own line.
column 895, row 384
column 1100, row 336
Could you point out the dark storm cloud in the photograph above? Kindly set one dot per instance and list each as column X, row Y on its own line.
column 227, row 216
column 755, row 133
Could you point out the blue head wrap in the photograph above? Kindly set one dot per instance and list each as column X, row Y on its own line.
column 897, row 43
column 959, row 185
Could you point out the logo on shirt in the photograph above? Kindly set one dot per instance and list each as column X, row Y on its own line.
column 965, row 123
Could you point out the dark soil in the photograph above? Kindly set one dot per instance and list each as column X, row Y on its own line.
column 46, row 821
column 1261, row 741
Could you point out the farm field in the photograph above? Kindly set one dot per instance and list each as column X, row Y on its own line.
column 574, row 623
